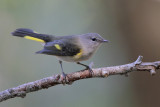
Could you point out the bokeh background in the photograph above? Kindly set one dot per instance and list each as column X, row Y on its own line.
column 131, row 26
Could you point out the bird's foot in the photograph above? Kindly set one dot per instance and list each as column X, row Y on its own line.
column 89, row 68
column 65, row 80
column 91, row 73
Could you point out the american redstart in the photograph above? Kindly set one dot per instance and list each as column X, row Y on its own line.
column 72, row 48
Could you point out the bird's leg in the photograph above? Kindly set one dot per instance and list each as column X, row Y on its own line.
column 87, row 68
column 63, row 74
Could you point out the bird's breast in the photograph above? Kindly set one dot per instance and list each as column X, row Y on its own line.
column 76, row 58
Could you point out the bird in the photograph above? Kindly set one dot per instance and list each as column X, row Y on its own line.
column 70, row 48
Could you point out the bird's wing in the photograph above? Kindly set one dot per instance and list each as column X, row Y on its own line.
column 60, row 48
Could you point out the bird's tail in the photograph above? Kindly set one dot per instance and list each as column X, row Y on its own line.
column 30, row 34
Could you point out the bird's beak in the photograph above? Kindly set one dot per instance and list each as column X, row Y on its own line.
column 105, row 41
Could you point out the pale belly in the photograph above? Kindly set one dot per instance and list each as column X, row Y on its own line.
column 72, row 59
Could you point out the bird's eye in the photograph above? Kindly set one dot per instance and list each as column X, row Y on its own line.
column 94, row 39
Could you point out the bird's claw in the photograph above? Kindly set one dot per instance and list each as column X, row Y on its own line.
column 65, row 80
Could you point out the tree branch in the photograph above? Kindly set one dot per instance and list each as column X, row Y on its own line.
column 47, row 82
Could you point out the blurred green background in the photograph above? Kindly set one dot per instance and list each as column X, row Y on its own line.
column 131, row 26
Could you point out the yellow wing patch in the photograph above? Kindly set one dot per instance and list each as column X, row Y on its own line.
column 78, row 55
column 35, row 39
column 57, row 46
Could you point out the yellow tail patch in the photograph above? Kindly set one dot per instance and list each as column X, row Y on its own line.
column 35, row 39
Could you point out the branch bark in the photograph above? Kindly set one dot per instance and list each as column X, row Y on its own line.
column 47, row 82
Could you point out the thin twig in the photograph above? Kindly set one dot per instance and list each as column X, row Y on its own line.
column 47, row 82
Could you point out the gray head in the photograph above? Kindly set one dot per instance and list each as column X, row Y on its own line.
column 92, row 41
